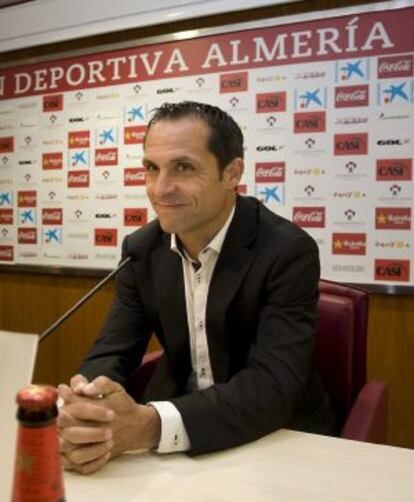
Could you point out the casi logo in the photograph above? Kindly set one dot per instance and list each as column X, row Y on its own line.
column 27, row 236
column 349, row 244
column 392, row 270
column 135, row 217
column 351, row 96
column 134, row 176
column 393, row 218
column 305, row 122
column 106, row 157
column 351, row 144
column 309, row 217
column 52, row 216
column 7, row 144
column 271, row 102
column 233, row 82
column 106, row 236
column 53, row 103
column 78, row 179
column 134, row 134
column 6, row 253
column 270, row 172
column 394, row 169
column 52, row 160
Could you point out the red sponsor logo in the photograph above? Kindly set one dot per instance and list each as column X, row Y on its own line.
column 270, row 172
column 395, row 66
column 135, row 217
column 355, row 244
column 351, row 144
column 26, row 198
column 394, row 169
column 233, row 82
column 241, row 189
column 27, row 236
column 106, row 236
column 392, row 270
column 78, row 179
column 134, row 134
column 78, row 139
column 309, row 122
column 53, row 103
column 134, row 176
column 309, row 217
column 6, row 216
column 271, row 102
column 6, row 253
column 52, row 216
column 351, row 95
column 393, row 218
column 106, row 157
column 52, row 160
column 7, row 144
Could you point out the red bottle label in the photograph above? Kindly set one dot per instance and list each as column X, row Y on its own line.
column 38, row 471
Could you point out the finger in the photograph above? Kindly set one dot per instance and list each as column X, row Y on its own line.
column 85, row 435
column 65, row 446
column 101, row 386
column 78, row 382
column 89, row 411
column 90, row 453
column 66, row 464
column 66, row 393
column 94, row 465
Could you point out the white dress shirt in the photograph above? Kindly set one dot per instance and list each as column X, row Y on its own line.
column 197, row 277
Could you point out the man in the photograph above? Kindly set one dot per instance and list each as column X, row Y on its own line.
column 229, row 289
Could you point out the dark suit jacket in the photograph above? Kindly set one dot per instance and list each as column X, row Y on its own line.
column 261, row 318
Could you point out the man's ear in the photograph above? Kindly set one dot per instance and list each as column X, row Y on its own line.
column 233, row 173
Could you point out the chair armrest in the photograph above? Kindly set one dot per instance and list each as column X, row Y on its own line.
column 140, row 377
column 367, row 419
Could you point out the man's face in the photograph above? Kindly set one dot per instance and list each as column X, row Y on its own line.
column 187, row 191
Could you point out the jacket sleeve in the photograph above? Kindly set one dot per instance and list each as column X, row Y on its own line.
column 272, row 388
column 125, row 334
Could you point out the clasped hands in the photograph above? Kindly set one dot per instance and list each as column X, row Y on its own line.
column 99, row 421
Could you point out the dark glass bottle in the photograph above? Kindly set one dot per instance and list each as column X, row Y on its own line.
column 38, row 470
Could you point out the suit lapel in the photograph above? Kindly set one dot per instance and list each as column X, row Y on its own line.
column 232, row 265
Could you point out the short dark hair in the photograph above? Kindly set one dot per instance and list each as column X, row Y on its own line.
column 226, row 139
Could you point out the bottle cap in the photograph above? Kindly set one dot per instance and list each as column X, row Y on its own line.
column 37, row 397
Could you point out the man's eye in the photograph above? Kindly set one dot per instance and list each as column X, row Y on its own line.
column 184, row 167
column 150, row 168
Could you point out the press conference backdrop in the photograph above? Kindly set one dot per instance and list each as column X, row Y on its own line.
column 325, row 103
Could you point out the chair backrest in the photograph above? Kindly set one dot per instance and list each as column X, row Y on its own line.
column 341, row 345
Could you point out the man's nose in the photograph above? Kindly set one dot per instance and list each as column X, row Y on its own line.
column 163, row 184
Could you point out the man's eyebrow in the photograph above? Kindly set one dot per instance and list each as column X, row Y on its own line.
column 181, row 158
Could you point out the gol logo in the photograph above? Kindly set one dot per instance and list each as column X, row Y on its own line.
column 233, row 82
column 392, row 270
column 351, row 144
column 106, row 236
column 135, row 217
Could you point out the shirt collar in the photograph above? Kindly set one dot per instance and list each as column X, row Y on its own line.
column 216, row 242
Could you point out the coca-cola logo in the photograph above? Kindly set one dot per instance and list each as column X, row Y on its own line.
column 134, row 134
column 6, row 216
column 306, row 122
column 53, row 103
column 26, row 198
column 135, row 217
column 6, row 253
column 233, row 82
column 134, row 176
column 78, row 179
column 271, row 102
column 79, row 139
column 270, row 172
column 52, row 216
column 53, row 160
column 106, row 236
column 395, row 66
column 7, row 144
column 27, row 236
column 106, row 156
column 394, row 169
column 349, row 244
column 393, row 218
column 351, row 96
column 310, row 217
column 351, row 144
column 392, row 270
